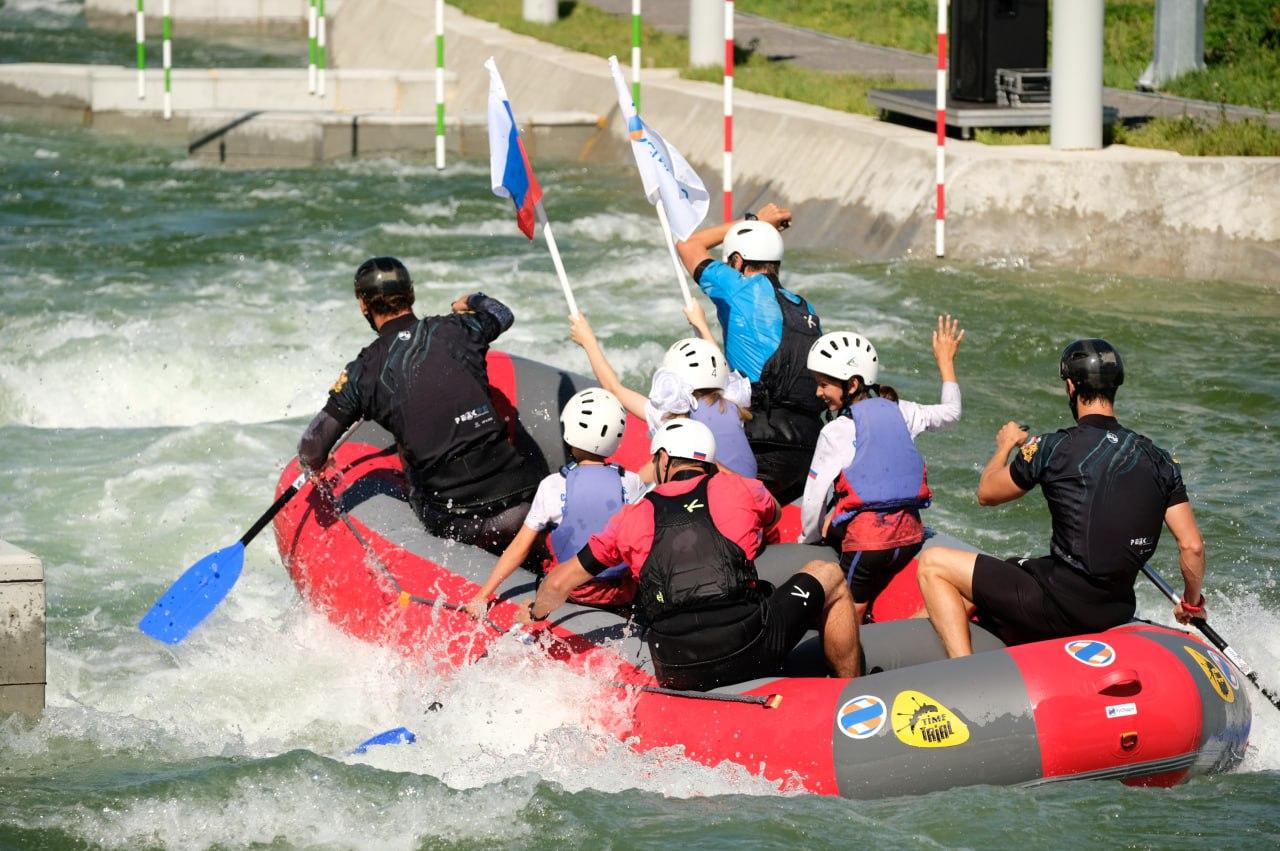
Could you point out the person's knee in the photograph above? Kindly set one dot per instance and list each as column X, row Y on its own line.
column 830, row 575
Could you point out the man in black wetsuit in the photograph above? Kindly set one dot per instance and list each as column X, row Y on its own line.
column 768, row 331
column 425, row 381
column 1108, row 490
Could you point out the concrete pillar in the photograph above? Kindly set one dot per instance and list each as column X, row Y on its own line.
column 541, row 11
column 22, row 672
column 1075, row 117
column 706, row 32
column 1179, row 42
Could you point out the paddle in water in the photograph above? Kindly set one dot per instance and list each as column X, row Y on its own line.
column 205, row 584
column 1212, row 634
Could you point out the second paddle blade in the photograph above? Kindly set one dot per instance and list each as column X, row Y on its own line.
column 196, row 593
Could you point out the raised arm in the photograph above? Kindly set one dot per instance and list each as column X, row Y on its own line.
column 580, row 332
column 698, row 321
column 921, row 418
column 698, row 246
column 997, row 485
column 486, row 315
column 1182, row 523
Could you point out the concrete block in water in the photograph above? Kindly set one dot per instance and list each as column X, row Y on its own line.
column 22, row 657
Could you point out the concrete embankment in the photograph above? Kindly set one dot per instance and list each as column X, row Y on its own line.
column 283, row 17
column 22, row 657
column 865, row 187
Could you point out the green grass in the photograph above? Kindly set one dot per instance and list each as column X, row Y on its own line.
column 908, row 24
column 845, row 92
column 1194, row 137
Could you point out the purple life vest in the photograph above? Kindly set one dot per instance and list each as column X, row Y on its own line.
column 887, row 472
column 732, row 449
column 592, row 494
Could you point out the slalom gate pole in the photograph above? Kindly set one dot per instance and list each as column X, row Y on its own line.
column 311, row 47
column 140, row 38
column 635, row 53
column 940, row 213
column 320, row 46
column 555, row 259
column 439, row 84
column 671, row 249
column 167, row 50
column 728, row 110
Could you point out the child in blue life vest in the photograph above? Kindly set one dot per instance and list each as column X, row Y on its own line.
column 694, row 381
column 576, row 502
column 867, row 482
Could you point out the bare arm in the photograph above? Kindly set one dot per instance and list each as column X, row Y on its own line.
column 511, row 559
column 946, row 340
column 554, row 590
column 1182, row 523
column 698, row 246
column 996, row 485
column 580, row 332
column 698, row 321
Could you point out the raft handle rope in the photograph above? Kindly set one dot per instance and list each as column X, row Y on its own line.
column 1211, row 634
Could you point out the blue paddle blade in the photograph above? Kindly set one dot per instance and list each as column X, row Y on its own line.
column 196, row 593
column 388, row 737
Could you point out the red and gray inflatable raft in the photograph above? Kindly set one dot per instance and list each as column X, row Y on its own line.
column 1140, row 703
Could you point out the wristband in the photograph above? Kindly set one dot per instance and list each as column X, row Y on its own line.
column 1196, row 609
column 534, row 617
column 750, row 217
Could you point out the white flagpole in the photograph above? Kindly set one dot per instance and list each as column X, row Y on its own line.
column 555, row 259
column 675, row 258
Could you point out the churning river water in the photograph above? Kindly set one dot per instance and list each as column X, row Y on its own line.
column 165, row 331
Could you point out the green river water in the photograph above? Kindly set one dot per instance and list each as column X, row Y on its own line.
column 165, row 331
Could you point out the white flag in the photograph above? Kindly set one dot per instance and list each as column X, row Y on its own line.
column 667, row 176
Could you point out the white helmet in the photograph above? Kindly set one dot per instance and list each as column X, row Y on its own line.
column 685, row 438
column 698, row 363
column 843, row 355
column 593, row 421
column 755, row 241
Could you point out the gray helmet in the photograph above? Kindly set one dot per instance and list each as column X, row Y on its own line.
column 1092, row 364
column 382, row 276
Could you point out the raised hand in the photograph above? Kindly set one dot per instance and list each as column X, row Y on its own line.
column 946, row 340
column 580, row 331
column 779, row 217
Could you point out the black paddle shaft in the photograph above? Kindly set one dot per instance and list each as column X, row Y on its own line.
column 1212, row 634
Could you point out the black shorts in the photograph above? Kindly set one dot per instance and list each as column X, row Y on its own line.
column 1034, row 599
column 869, row 572
column 762, row 641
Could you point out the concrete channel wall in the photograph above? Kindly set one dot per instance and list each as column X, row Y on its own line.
column 210, row 16
column 865, row 187
column 22, row 659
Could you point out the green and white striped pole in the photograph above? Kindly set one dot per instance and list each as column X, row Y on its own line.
column 311, row 46
column 439, row 84
column 320, row 40
column 635, row 53
column 141, row 38
column 167, row 51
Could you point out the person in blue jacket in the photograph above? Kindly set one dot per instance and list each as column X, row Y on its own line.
column 768, row 331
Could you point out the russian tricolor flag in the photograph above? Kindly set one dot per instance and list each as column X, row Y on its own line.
column 509, row 168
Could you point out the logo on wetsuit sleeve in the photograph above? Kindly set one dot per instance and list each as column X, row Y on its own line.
column 1095, row 654
column 1030, row 448
column 339, row 384
column 1217, row 678
column 862, row 717
column 922, row 722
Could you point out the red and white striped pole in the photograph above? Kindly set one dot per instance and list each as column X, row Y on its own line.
column 939, row 239
column 728, row 110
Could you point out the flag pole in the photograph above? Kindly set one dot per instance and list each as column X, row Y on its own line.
column 671, row 249
column 555, row 259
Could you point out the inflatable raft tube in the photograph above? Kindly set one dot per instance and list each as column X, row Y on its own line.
column 1140, row 703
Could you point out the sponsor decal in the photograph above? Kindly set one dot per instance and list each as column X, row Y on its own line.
column 1095, row 654
column 922, row 722
column 339, row 384
column 1122, row 710
column 700, row 456
column 1225, row 667
column 1030, row 448
column 1213, row 674
column 1111, row 436
column 694, row 505
column 862, row 717
column 404, row 336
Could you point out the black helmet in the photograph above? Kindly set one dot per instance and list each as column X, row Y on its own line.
column 382, row 276
column 1092, row 364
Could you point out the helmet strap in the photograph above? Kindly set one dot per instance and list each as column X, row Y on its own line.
column 368, row 317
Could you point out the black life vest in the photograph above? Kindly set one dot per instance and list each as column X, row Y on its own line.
column 785, row 381
column 691, row 566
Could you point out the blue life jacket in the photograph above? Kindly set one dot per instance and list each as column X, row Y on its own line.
column 732, row 449
column 592, row 494
column 887, row 472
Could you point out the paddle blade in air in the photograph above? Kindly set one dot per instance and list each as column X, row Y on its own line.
column 196, row 593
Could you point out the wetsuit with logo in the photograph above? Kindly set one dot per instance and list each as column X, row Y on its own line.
column 1108, row 489
column 767, row 334
column 425, row 381
column 691, row 544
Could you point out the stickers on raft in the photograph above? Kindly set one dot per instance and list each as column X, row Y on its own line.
column 1213, row 672
column 862, row 717
column 1122, row 710
column 922, row 722
column 1087, row 651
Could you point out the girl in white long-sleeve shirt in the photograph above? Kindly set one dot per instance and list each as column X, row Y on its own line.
column 869, row 512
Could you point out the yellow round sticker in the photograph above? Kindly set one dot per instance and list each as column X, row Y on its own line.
column 1214, row 674
column 922, row 722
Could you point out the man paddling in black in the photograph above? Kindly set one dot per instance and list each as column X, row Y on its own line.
column 425, row 381
column 1108, row 490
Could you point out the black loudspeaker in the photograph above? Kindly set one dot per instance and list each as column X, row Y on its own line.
column 991, row 34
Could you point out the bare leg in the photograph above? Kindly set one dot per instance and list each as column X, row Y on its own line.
column 946, row 582
column 839, row 626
